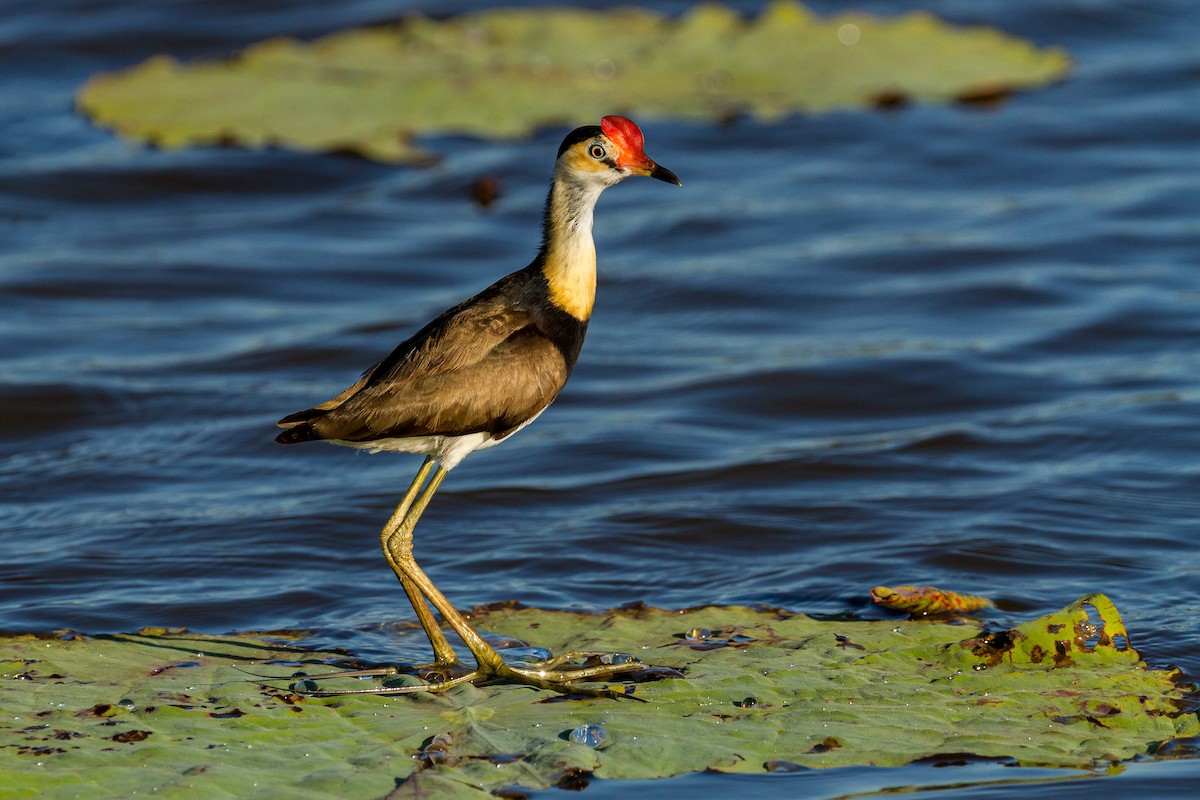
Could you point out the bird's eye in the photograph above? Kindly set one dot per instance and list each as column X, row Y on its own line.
column 596, row 151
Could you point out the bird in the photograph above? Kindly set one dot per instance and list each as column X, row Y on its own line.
column 474, row 376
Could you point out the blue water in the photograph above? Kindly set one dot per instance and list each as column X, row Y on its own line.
column 931, row 346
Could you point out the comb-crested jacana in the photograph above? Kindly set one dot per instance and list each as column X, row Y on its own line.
column 476, row 375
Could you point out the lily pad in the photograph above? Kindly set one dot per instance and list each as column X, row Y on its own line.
column 503, row 73
column 177, row 713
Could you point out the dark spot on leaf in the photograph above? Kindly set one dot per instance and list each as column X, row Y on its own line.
column 128, row 737
column 1062, row 653
column 505, row 758
column 231, row 714
column 993, row 647
column 39, row 751
column 844, row 641
column 291, row 698
column 984, row 97
column 889, row 100
column 98, row 710
column 829, row 743
column 1054, row 627
column 63, row 736
column 511, row 793
column 1036, row 654
column 574, row 780
column 177, row 665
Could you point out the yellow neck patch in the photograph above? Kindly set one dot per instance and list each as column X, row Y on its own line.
column 569, row 262
column 571, row 275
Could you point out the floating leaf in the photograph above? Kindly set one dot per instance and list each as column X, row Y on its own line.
column 1062, row 690
column 503, row 73
column 922, row 601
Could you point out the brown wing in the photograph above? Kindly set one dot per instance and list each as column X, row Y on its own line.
column 517, row 379
column 482, row 366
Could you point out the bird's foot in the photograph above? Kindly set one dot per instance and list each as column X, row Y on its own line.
column 435, row 677
column 559, row 674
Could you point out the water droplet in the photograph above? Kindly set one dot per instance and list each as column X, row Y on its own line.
column 698, row 633
column 749, row 702
column 590, row 735
column 616, row 658
column 979, row 667
column 304, row 687
column 126, row 704
column 527, row 655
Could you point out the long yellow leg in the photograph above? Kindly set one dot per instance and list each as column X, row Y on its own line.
column 396, row 540
column 443, row 654
column 399, row 545
column 399, row 549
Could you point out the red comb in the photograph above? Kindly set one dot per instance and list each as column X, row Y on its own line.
column 624, row 132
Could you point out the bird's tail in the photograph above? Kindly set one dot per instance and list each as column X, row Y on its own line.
column 302, row 432
column 299, row 427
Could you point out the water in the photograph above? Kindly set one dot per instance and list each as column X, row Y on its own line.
column 934, row 346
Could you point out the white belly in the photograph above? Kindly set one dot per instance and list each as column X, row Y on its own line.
column 446, row 450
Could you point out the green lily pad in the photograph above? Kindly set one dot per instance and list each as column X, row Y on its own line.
column 178, row 713
column 503, row 73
